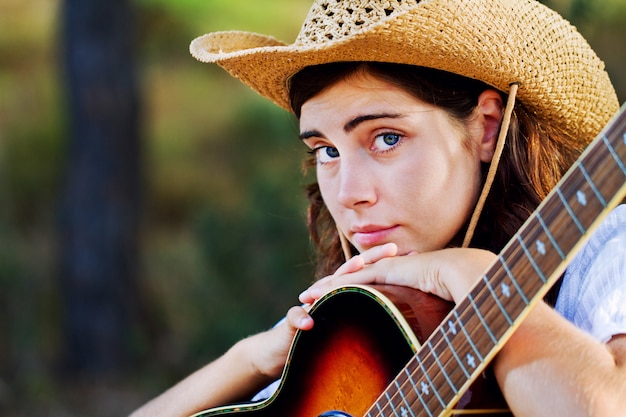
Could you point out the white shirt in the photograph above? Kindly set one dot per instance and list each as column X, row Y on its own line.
column 593, row 293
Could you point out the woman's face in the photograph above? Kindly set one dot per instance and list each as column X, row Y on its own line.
column 392, row 168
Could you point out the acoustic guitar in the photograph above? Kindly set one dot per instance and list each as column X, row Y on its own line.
column 391, row 351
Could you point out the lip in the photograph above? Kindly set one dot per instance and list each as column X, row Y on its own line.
column 371, row 235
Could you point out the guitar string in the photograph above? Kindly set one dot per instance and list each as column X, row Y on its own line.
column 438, row 343
column 592, row 160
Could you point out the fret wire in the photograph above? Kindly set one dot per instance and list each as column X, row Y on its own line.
column 380, row 410
column 614, row 154
column 515, row 283
column 513, row 280
column 484, row 299
column 532, row 260
column 467, row 336
column 607, row 177
column 570, row 211
column 592, row 185
column 495, row 297
column 406, row 402
column 439, row 341
column 417, row 391
column 454, row 352
column 390, row 403
column 436, row 367
column 433, row 353
column 441, row 344
column 481, row 318
column 550, row 236
column 432, row 368
column 432, row 386
column 596, row 165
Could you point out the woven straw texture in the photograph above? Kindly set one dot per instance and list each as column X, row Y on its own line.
column 497, row 41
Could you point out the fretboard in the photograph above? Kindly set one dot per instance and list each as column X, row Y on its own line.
column 475, row 330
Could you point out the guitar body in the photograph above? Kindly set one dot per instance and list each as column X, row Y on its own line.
column 363, row 356
column 362, row 338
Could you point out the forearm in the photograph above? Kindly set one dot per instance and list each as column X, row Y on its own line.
column 551, row 368
column 230, row 378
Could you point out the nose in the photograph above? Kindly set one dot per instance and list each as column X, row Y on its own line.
column 357, row 184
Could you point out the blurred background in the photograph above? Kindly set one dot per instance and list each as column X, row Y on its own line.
column 151, row 208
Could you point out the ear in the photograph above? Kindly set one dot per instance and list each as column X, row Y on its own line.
column 489, row 114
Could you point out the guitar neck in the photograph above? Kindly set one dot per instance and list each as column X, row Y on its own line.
column 475, row 330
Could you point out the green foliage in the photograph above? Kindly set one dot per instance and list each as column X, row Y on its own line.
column 224, row 246
column 250, row 244
column 249, row 15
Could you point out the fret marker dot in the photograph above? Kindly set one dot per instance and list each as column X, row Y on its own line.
column 470, row 360
column 404, row 412
column 582, row 199
column 541, row 247
column 451, row 327
column 425, row 389
column 506, row 291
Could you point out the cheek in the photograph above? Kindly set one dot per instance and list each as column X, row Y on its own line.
column 328, row 190
column 440, row 182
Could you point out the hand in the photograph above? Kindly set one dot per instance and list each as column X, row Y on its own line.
column 272, row 347
column 247, row 367
column 448, row 273
column 354, row 264
column 269, row 350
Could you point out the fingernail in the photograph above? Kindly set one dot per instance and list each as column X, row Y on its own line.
column 305, row 322
column 314, row 293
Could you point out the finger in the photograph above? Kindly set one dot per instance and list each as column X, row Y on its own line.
column 377, row 253
column 318, row 288
column 358, row 261
column 353, row 264
column 367, row 275
column 305, row 296
column 298, row 318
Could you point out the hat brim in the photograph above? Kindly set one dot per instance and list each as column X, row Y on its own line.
column 496, row 41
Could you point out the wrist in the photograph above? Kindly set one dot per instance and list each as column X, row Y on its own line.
column 249, row 353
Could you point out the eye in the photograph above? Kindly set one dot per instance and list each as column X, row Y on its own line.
column 386, row 141
column 324, row 154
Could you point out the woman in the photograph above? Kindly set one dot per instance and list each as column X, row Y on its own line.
column 437, row 127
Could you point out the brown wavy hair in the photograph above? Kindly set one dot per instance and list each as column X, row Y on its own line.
column 535, row 156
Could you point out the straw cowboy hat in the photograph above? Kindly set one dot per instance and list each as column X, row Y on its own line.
column 500, row 42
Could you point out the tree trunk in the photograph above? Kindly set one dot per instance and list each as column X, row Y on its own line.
column 101, row 196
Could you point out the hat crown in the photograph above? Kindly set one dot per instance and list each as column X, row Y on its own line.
column 330, row 20
column 499, row 42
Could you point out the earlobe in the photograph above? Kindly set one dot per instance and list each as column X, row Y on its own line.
column 490, row 108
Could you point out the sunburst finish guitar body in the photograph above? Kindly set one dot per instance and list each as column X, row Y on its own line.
column 362, row 338
column 390, row 351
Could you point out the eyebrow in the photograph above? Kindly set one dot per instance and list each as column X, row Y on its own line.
column 353, row 124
